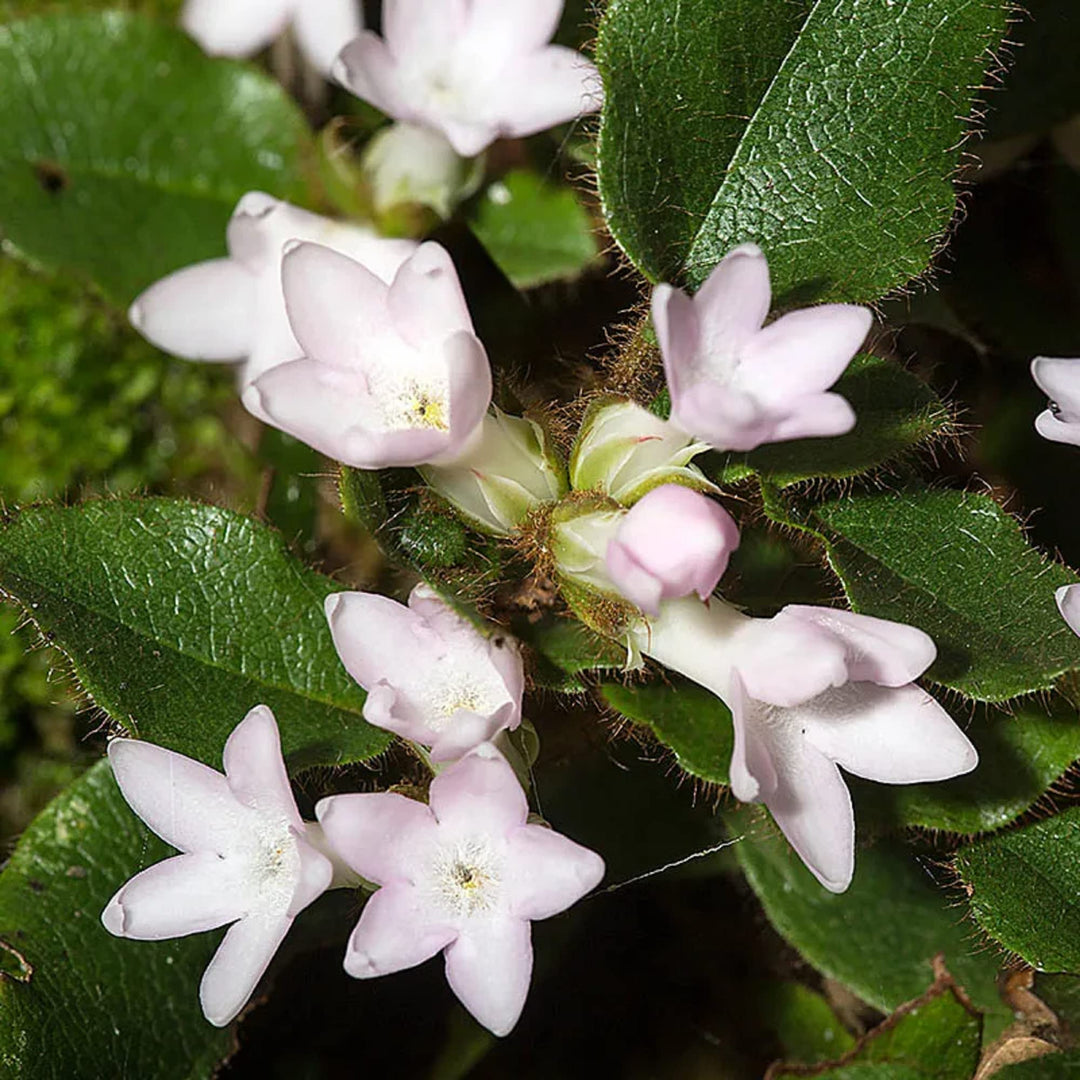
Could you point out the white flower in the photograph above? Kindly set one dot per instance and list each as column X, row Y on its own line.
column 247, row 857
column 1059, row 379
column 430, row 675
column 811, row 691
column 473, row 69
column 243, row 27
column 233, row 309
column 465, row 874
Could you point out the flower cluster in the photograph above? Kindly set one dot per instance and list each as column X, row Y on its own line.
column 465, row 873
column 364, row 348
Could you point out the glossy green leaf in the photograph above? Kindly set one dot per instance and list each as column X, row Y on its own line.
column 804, row 1022
column 880, row 936
column 1021, row 755
column 956, row 565
column 536, row 231
column 935, row 1037
column 1025, row 890
column 88, row 1004
column 825, row 132
column 896, row 412
column 124, row 149
column 1064, row 1066
column 685, row 717
column 178, row 618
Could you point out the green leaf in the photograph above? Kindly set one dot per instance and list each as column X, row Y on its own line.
column 1020, row 756
column 178, row 618
column 566, row 650
column 936, row 1037
column 124, row 149
column 1024, row 886
column 956, row 565
column 825, row 132
column 685, row 717
column 88, row 1004
column 878, row 938
column 896, row 412
column 804, row 1022
column 536, row 232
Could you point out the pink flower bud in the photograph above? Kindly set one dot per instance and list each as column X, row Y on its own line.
column 672, row 542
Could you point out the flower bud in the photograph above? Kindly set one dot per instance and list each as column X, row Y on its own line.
column 406, row 164
column 625, row 451
column 508, row 471
column 672, row 543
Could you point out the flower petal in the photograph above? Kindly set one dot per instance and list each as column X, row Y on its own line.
column 803, row 352
column 1059, row 379
column 753, row 776
column 489, row 967
column 186, row 894
column 545, row 88
column 878, row 650
column 469, row 391
column 1068, row 602
column 333, row 302
column 785, row 661
column 203, row 312
column 895, row 735
column 479, row 792
column 397, row 930
column 366, row 68
column 467, row 730
column 254, row 768
column 813, row 416
column 236, row 28
column 382, row 836
column 324, row 27
column 512, row 27
column 675, row 319
column 1050, row 427
column 546, row 873
column 316, row 872
column 238, row 965
column 420, row 32
column 425, row 301
column 187, row 804
column 733, row 302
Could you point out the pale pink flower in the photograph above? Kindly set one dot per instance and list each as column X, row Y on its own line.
column 671, row 543
column 473, row 69
column 244, row 27
column 465, row 874
column 233, row 309
column 813, row 691
column 391, row 375
column 1068, row 602
column 1059, row 379
column 247, row 857
column 431, row 676
column 735, row 383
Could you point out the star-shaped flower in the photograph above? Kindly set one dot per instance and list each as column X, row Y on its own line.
column 243, row 27
column 465, row 874
column 811, row 691
column 473, row 69
column 233, row 309
column 736, row 384
column 1059, row 379
column 247, row 857
column 391, row 375
column 431, row 675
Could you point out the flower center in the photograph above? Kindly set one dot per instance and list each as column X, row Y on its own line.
column 466, row 877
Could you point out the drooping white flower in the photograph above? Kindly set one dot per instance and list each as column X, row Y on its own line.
column 243, row 27
column 473, row 69
column 1059, row 379
column 232, row 310
column 390, row 375
column 430, row 675
column 813, row 691
column 736, row 384
column 465, row 874
column 246, row 856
